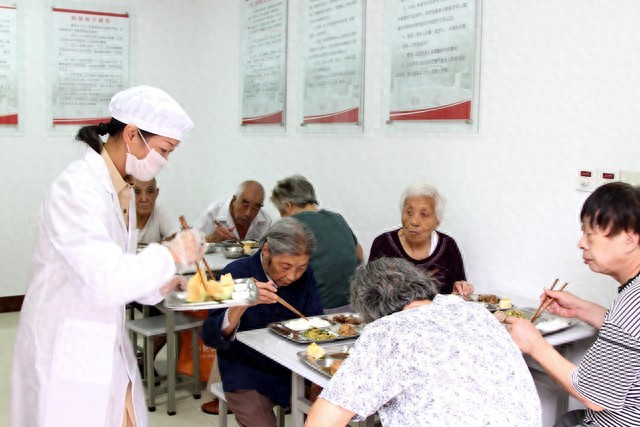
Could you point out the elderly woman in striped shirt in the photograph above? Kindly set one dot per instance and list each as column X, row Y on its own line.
column 606, row 380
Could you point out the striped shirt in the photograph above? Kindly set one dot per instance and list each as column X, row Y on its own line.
column 609, row 373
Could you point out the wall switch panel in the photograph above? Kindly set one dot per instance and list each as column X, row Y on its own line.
column 606, row 176
column 630, row 177
column 586, row 180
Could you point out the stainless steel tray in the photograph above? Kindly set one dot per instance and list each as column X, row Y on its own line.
column 177, row 300
column 280, row 328
column 547, row 323
column 323, row 365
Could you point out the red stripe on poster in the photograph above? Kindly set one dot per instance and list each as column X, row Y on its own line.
column 272, row 118
column 458, row 111
column 10, row 119
column 345, row 116
column 90, row 12
column 77, row 121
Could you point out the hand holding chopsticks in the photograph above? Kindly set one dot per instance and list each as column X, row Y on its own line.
column 280, row 300
column 226, row 232
column 546, row 302
column 185, row 226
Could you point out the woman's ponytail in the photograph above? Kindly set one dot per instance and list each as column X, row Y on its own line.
column 90, row 135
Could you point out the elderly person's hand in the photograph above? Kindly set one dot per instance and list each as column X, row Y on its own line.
column 523, row 333
column 266, row 292
column 462, row 287
column 564, row 304
column 221, row 233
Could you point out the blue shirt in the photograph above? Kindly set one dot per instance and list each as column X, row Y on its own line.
column 241, row 367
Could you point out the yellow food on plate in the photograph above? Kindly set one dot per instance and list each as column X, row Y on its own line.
column 346, row 330
column 196, row 291
column 226, row 280
column 223, row 289
column 247, row 249
column 504, row 303
column 315, row 351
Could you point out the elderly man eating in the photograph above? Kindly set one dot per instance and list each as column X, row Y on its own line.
column 240, row 217
column 254, row 384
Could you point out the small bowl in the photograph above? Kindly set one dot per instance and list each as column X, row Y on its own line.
column 210, row 248
column 230, row 243
column 233, row 252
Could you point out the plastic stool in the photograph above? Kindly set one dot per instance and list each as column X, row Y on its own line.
column 150, row 327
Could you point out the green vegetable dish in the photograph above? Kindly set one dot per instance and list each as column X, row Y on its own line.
column 317, row 334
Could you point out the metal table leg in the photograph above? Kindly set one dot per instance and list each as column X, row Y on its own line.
column 171, row 363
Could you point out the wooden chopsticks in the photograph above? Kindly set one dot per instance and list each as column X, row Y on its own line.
column 216, row 222
column 185, row 226
column 547, row 301
column 292, row 308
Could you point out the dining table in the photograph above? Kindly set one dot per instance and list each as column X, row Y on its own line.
column 571, row 342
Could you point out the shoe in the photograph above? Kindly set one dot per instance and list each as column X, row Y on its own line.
column 213, row 407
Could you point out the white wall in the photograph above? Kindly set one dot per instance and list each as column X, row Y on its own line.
column 558, row 90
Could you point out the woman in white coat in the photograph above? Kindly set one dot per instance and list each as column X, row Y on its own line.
column 73, row 362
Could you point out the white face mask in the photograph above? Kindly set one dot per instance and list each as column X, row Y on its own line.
column 144, row 169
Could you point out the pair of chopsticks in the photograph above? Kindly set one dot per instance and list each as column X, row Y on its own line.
column 286, row 304
column 216, row 222
column 185, row 226
column 292, row 308
column 547, row 301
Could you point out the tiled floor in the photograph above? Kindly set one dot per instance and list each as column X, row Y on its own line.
column 188, row 409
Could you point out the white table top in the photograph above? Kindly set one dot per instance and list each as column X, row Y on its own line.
column 285, row 352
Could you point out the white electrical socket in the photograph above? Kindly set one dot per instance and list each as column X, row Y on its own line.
column 606, row 176
column 630, row 177
column 586, row 180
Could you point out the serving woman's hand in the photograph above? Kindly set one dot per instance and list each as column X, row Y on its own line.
column 176, row 282
column 462, row 287
column 187, row 247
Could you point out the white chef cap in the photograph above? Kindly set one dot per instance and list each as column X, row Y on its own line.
column 152, row 110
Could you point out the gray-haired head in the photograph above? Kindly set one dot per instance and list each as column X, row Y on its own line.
column 295, row 189
column 289, row 236
column 386, row 285
column 248, row 183
column 420, row 189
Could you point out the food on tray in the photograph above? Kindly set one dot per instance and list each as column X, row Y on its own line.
column 333, row 368
column 247, row 249
column 196, row 291
column 317, row 334
column 315, row 351
column 515, row 313
column 504, row 303
column 552, row 325
column 488, row 298
column 345, row 318
column 251, row 243
column 303, row 324
column 347, row 330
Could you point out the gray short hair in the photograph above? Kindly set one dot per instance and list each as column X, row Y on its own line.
column 289, row 236
column 386, row 285
column 420, row 189
column 295, row 189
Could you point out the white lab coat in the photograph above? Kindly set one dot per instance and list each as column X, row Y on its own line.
column 72, row 357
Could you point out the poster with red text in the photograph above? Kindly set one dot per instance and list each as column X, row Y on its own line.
column 332, row 50
column 264, row 44
column 8, row 66
column 90, row 63
column 432, row 59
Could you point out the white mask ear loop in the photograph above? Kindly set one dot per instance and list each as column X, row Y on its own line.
column 143, row 140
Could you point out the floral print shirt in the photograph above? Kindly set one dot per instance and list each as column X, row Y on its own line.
column 448, row 363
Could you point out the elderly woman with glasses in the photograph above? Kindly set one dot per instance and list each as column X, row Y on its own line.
column 426, row 359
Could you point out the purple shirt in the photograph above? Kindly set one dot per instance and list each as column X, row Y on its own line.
column 445, row 263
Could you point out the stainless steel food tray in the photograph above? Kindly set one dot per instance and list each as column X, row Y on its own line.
column 562, row 323
column 334, row 352
column 281, row 329
column 177, row 300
